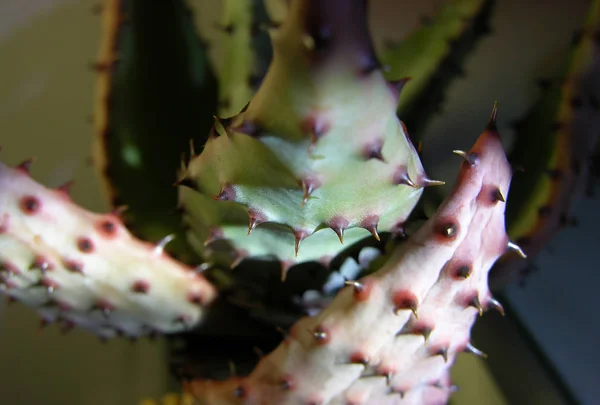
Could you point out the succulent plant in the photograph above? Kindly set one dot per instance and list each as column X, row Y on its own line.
column 368, row 346
column 307, row 186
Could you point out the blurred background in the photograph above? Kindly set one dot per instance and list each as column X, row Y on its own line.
column 546, row 353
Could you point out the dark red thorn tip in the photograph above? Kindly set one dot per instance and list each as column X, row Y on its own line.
column 316, row 127
column 65, row 188
column 42, row 264
column 447, row 229
column 30, row 205
column 359, row 358
column 140, row 287
column 497, row 195
column 299, row 235
column 196, row 298
column 397, row 85
column 425, row 331
column 370, row 223
column 373, row 150
column 73, row 266
column 214, row 234
column 401, row 177
column 442, row 351
column 463, row 272
column 25, row 166
column 249, row 128
column 405, row 300
column 309, row 185
column 339, row 225
column 227, row 193
column 106, row 227
column 255, row 218
column 85, row 244
column 475, row 303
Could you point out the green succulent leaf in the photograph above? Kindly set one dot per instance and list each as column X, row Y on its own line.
column 156, row 92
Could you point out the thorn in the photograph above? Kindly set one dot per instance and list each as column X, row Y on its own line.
column 373, row 230
column 373, row 150
column 497, row 195
column 475, row 303
column 41, row 264
column 401, row 177
column 25, row 167
column 463, row 272
column 398, row 85
column 359, row 358
column 358, row 287
column 340, row 234
column 240, row 255
column 448, row 230
column 425, row 331
column 403, row 302
column 300, row 236
column 388, row 377
column 285, row 267
column 119, row 211
column 370, row 223
column 338, row 225
column 203, row 267
column 444, row 353
column 214, row 234
column 516, row 248
column 495, row 304
column 160, row 246
column 320, row 335
column 316, row 127
column 491, row 125
column 255, row 219
column 399, row 230
column 308, row 187
column 65, row 189
column 427, row 182
column 227, row 193
column 473, row 350
column 470, row 157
